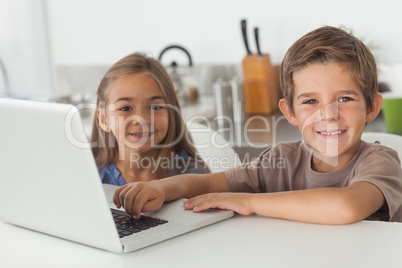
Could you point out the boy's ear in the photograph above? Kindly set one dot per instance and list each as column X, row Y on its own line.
column 100, row 112
column 287, row 111
column 375, row 109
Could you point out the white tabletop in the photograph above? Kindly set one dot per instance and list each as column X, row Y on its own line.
column 237, row 242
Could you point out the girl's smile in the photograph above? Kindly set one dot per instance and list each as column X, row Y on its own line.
column 140, row 135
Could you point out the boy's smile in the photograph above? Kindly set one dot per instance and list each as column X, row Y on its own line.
column 330, row 111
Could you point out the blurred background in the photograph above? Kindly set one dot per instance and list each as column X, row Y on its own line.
column 53, row 48
column 58, row 50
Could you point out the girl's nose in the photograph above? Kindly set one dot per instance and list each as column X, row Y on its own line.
column 138, row 120
column 142, row 118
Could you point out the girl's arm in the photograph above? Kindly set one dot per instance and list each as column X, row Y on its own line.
column 149, row 196
column 325, row 206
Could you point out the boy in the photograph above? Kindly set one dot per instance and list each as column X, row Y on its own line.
column 329, row 83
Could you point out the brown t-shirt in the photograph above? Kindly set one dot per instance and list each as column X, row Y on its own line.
column 287, row 167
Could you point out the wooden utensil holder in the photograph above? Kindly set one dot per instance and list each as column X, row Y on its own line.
column 261, row 85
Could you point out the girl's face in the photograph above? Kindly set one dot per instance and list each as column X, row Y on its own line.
column 331, row 112
column 136, row 113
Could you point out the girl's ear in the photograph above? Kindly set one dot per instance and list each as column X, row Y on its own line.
column 375, row 109
column 100, row 112
column 287, row 111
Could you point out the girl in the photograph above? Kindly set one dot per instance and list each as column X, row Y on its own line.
column 138, row 131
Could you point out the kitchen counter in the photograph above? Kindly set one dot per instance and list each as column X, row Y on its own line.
column 205, row 107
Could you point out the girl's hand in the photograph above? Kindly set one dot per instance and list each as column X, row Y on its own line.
column 238, row 202
column 139, row 196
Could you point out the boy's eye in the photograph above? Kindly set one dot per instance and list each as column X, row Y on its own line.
column 312, row 101
column 345, row 99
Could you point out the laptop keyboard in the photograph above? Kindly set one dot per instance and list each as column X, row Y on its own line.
column 128, row 226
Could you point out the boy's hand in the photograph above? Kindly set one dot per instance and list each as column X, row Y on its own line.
column 238, row 202
column 139, row 196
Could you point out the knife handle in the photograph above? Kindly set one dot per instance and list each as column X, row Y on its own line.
column 257, row 40
column 244, row 32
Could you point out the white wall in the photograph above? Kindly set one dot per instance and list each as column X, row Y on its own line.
column 103, row 31
column 24, row 50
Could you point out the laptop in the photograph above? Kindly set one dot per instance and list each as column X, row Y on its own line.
column 49, row 183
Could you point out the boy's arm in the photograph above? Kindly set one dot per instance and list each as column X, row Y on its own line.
column 190, row 185
column 149, row 196
column 325, row 205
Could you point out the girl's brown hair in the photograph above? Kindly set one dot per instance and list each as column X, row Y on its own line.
column 104, row 146
column 330, row 44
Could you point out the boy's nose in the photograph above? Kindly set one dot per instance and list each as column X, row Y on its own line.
column 330, row 111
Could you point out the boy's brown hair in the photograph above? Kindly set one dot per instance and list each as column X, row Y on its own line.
column 330, row 44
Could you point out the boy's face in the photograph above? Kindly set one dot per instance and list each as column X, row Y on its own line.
column 330, row 111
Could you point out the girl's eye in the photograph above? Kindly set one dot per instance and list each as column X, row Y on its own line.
column 155, row 107
column 312, row 101
column 125, row 109
column 345, row 99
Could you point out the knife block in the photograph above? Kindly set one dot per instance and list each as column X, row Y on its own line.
column 261, row 85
